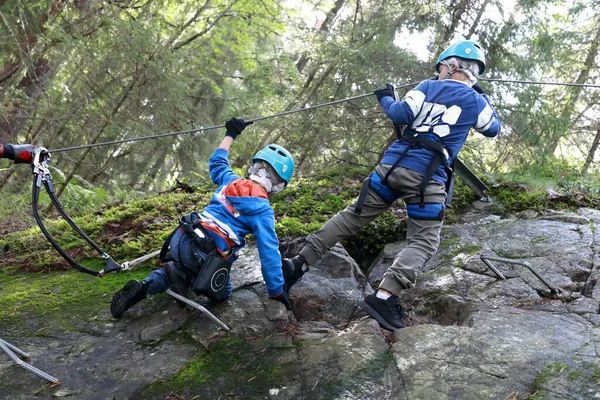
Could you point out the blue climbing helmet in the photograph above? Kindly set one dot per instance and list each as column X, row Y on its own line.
column 466, row 49
column 279, row 158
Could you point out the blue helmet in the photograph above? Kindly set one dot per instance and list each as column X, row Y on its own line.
column 279, row 158
column 466, row 49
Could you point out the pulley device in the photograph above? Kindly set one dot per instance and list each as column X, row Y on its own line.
column 41, row 175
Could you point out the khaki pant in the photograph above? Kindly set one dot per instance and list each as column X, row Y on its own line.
column 423, row 236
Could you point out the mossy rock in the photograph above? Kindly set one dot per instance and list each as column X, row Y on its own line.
column 232, row 368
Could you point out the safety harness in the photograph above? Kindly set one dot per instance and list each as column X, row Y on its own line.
column 441, row 156
column 41, row 174
column 212, row 274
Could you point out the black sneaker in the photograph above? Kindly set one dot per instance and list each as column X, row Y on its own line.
column 292, row 271
column 133, row 292
column 387, row 312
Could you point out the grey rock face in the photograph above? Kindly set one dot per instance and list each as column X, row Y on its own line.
column 470, row 334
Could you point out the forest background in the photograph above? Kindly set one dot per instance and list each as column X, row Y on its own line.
column 83, row 72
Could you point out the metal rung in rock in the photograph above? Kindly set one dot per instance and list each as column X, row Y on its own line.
column 9, row 349
column 525, row 264
column 198, row 307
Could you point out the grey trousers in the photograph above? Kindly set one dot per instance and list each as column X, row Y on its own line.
column 423, row 236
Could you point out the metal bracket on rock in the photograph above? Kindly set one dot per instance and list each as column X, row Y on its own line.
column 200, row 308
column 486, row 260
column 10, row 350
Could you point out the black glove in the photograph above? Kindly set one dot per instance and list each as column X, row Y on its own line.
column 478, row 88
column 20, row 153
column 285, row 299
column 235, row 126
column 388, row 90
column 292, row 271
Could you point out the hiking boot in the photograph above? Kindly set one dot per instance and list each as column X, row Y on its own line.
column 292, row 271
column 133, row 292
column 387, row 312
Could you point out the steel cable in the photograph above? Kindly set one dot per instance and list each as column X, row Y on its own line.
column 202, row 129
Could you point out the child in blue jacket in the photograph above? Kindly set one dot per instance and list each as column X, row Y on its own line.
column 438, row 115
column 238, row 207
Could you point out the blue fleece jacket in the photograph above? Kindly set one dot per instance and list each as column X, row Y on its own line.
column 251, row 215
column 439, row 110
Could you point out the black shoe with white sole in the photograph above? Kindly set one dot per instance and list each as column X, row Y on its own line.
column 387, row 312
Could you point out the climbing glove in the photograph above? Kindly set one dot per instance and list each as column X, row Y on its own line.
column 19, row 153
column 388, row 90
column 477, row 87
column 284, row 298
column 235, row 126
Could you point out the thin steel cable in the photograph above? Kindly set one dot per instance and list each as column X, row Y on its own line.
column 539, row 82
column 202, row 129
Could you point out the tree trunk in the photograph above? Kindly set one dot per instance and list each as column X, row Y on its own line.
column 447, row 32
column 329, row 18
column 574, row 92
column 34, row 82
column 70, row 176
column 477, row 19
column 19, row 110
column 590, row 157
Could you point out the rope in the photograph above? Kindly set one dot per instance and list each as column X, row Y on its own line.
column 202, row 129
column 539, row 83
column 208, row 128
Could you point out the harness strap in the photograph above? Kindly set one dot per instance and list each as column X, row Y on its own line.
column 165, row 248
column 450, row 184
column 436, row 160
column 360, row 202
column 440, row 156
column 400, row 157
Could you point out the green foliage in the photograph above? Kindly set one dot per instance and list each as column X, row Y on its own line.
column 541, row 186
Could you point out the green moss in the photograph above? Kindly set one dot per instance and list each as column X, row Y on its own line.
column 63, row 299
column 574, row 375
column 457, row 251
column 231, row 368
column 451, row 241
column 436, row 306
column 371, row 370
column 371, row 239
column 550, row 370
column 462, row 197
column 539, row 239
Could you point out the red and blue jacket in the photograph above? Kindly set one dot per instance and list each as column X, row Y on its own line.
column 238, row 208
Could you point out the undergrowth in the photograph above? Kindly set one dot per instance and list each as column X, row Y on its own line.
column 35, row 281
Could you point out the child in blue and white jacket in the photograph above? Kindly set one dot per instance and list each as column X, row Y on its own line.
column 238, row 207
column 438, row 115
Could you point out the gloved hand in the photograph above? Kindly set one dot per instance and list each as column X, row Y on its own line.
column 292, row 271
column 476, row 87
column 388, row 90
column 284, row 298
column 235, row 126
column 19, row 153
